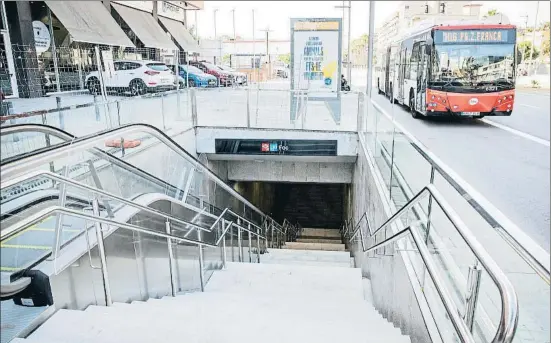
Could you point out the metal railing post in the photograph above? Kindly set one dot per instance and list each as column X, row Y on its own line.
column 103, row 259
column 231, row 242
column 163, row 111
column 429, row 210
column 223, row 221
column 239, row 243
column 193, row 99
column 272, row 234
column 60, row 113
column 250, row 246
column 201, row 262
column 170, row 260
column 257, row 247
column 248, row 107
column 266, row 235
column 59, row 218
column 471, row 298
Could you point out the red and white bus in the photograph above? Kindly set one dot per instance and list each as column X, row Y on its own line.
column 453, row 70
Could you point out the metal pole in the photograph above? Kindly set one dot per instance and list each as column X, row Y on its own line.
column 430, row 206
column 471, row 298
column 234, row 35
column 272, row 234
column 215, row 35
column 54, row 51
column 59, row 217
column 224, row 244
column 349, row 34
column 231, row 243
column 248, row 92
column 170, row 260
column 254, row 53
column 250, row 246
column 257, row 247
column 163, row 111
column 370, row 50
column 534, row 37
column 239, row 243
column 201, row 276
column 103, row 259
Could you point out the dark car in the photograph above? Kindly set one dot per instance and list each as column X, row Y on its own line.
column 224, row 78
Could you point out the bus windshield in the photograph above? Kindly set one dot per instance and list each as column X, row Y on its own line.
column 474, row 68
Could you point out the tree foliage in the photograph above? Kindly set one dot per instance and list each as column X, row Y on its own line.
column 525, row 48
column 285, row 58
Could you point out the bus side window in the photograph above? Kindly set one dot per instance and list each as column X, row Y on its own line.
column 415, row 53
column 407, row 62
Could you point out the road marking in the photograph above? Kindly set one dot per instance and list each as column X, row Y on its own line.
column 531, row 106
column 517, row 132
column 25, row 246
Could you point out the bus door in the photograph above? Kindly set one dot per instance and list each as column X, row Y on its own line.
column 401, row 74
column 387, row 72
column 422, row 73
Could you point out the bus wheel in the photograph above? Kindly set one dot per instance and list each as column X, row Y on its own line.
column 414, row 113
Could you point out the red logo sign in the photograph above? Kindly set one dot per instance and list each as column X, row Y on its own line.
column 265, row 147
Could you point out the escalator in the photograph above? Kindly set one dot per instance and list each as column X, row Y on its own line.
column 155, row 185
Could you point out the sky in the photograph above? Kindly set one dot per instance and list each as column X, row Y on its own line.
column 274, row 15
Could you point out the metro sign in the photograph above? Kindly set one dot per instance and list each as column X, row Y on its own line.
column 265, row 147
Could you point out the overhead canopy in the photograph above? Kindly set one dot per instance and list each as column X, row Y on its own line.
column 89, row 22
column 180, row 34
column 145, row 27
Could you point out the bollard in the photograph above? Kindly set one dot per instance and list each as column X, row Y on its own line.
column 193, row 99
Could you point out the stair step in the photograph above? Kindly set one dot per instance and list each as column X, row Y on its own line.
column 319, row 240
column 329, row 233
column 315, row 246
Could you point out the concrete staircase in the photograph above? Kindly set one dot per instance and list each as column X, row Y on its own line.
column 318, row 239
column 294, row 296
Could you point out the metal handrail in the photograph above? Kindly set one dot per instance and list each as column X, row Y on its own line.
column 76, row 184
column 27, row 163
column 452, row 311
column 534, row 255
column 509, row 302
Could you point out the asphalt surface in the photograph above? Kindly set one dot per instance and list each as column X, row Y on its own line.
column 508, row 163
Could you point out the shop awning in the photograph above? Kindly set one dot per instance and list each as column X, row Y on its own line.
column 145, row 27
column 180, row 34
column 89, row 22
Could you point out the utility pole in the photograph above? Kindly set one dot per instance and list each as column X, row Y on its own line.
column 234, row 35
column 349, row 69
column 254, row 53
column 267, row 30
column 534, row 37
column 523, row 35
column 216, row 36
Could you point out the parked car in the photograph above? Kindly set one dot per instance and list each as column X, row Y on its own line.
column 239, row 77
column 224, row 78
column 137, row 77
column 194, row 76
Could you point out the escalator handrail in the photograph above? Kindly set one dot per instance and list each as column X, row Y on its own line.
column 509, row 301
column 32, row 160
column 64, row 135
column 76, row 184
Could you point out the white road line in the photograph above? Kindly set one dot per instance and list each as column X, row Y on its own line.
column 517, row 132
column 531, row 106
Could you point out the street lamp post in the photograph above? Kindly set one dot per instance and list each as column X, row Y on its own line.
column 234, row 35
column 267, row 30
column 216, row 36
column 348, row 69
column 534, row 38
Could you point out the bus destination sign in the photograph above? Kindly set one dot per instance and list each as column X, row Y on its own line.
column 471, row 36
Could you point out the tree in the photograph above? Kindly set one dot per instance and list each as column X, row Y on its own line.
column 525, row 48
column 545, row 26
column 545, row 47
column 226, row 59
column 491, row 13
column 285, row 58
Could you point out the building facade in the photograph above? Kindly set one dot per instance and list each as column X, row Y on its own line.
column 410, row 14
column 57, row 38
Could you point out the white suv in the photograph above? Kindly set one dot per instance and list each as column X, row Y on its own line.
column 136, row 77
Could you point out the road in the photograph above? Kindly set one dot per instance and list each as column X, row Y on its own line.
column 507, row 163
